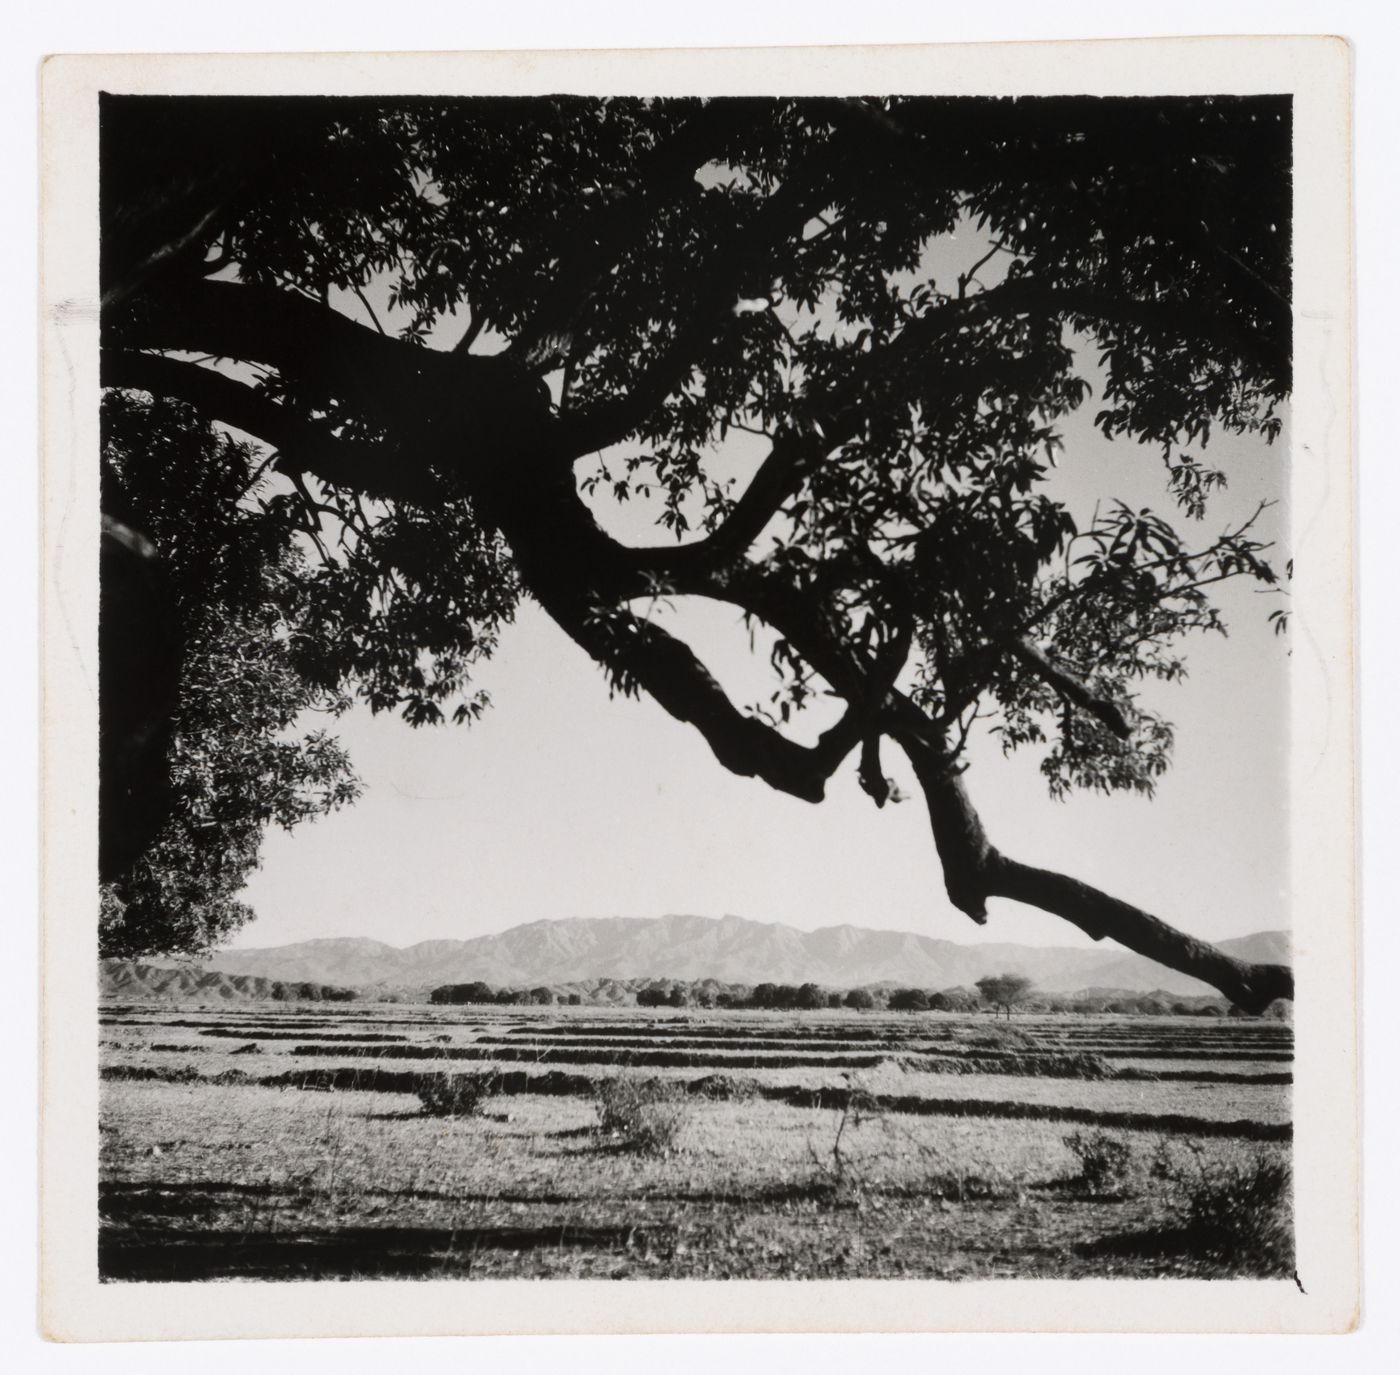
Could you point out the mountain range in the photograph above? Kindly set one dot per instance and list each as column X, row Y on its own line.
column 730, row 949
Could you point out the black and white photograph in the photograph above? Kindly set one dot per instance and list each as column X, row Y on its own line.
column 700, row 681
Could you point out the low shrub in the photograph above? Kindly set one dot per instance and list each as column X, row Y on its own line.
column 1104, row 1160
column 1246, row 1214
column 1237, row 1213
column 642, row 1114
column 454, row 1095
column 723, row 1087
column 161, row 1074
column 226, row 1077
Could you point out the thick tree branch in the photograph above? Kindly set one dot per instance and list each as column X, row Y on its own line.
column 302, row 445
column 303, row 339
column 975, row 870
column 184, row 238
column 964, row 852
column 794, row 453
column 638, row 652
column 1250, row 986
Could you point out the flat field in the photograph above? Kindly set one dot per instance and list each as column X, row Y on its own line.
column 261, row 1141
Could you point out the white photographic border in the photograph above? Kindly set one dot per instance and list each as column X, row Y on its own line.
column 1316, row 72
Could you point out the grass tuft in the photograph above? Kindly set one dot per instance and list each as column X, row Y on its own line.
column 1105, row 1161
column 1239, row 1213
column 454, row 1095
column 644, row 1115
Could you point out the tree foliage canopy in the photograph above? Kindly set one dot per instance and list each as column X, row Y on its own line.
column 239, row 591
column 465, row 327
column 1005, row 990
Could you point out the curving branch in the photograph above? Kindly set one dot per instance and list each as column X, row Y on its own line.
column 323, row 349
column 1250, row 986
column 302, row 445
column 974, row 870
column 638, row 653
column 795, row 452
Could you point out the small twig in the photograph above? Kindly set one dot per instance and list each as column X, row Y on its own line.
column 364, row 301
column 965, row 279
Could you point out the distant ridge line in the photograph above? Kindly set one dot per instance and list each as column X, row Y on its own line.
column 729, row 949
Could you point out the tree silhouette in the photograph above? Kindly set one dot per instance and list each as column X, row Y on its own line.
column 463, row 328
column 1004, row 991
column 909, row 1000
column 233, row 598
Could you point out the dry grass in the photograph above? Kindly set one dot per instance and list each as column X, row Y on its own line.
column 268, row 1183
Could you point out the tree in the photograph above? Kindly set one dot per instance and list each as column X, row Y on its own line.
column 464, row 327
column 909, row 1000
column 1004, row 991
column 861, row 999
column 476, row 992
column 810, row 997
column 233, row 589
column 768, row 995
column 953, row 1000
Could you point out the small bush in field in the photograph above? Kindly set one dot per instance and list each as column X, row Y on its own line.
column 1238, row 1213
column 724, row 1087
column 644, row 1114
column 1245, row 1214
column 1104, row 1160
column 454, row 1095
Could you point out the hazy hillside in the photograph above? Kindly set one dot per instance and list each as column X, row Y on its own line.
column 731, row 949
column 128, row 979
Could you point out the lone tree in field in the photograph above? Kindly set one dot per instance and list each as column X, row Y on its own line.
column 460, row 329
column 1004, row 991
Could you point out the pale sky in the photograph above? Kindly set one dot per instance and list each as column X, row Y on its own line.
column 562, row 802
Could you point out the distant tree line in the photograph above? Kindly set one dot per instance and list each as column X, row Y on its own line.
column 478, row 992
column 311, row 993
column 997, row 994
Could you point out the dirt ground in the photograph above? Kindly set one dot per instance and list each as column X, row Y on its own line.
column 202, row 1181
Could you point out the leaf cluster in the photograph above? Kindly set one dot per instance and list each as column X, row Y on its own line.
column 239, row 760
